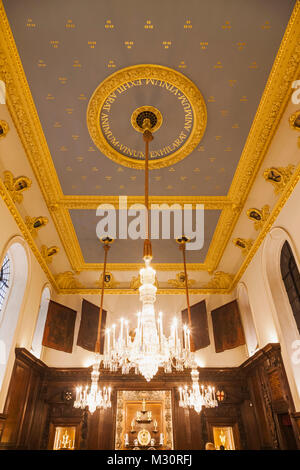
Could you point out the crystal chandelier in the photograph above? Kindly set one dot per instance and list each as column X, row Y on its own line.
column 94, row 397
column 198, row 396
column 150, row 348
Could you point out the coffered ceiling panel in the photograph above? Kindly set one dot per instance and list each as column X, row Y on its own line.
column 130, row 251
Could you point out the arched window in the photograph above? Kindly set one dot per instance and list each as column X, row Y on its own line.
column 36, row 347
column 291, row 278
column 4, row 283
column 277, row 249
column 18, row 273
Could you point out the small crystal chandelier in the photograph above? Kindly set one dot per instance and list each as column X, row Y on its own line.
column 95, row 397
column 150, row 348
column 198, row 396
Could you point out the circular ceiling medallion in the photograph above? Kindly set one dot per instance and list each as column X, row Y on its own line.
column 172, row 103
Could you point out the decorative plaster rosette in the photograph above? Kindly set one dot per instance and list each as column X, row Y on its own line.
column 168, row 86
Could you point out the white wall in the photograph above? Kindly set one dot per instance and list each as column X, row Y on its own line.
column 126, row 306
column 29, row 304
column 267, row 312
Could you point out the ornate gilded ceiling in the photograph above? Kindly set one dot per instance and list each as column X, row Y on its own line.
column 233, row 102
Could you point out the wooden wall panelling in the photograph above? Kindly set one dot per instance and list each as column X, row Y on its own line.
column 248, row 417
column 2, row 423
column 296, row 421
column 270, row 394
column 39, row 397
column 22, row 402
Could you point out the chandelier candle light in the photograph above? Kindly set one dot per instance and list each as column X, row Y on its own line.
column 198, row 396
column 150, row 348
column 95, row 397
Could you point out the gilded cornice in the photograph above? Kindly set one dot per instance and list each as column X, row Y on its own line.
column 179, row 281
column 259, row 216
column 220, row 280
column 24, row 114
column 67, row 280
column 48, row 253
column 222, row 234
column 244, row 244
column 274, row 100
column 66, row 231
column 4, row 128
column 92, row 202
column 273, row 216
column 16, row 186
column 35, row 223
column 138, row 266
column 25, row 232
column 124, row 291
column 279, row 177
column 109, row 281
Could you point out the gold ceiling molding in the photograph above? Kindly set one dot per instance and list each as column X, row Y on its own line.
column 35, row 223
column 150, row 72
column 220, row 280
column 71, row 245
column 244, row 244
column 24, row 114
column 67, row 280
column 92, row 202
column 68, row 237
column 26, row 233
column 128, row 291
column 274, row 100
column 138, row 266
column 4, row 128
column 179, row 282
column 273, row 216
column 109, row 281
column 279, row 177
column 259, row 216
column 16, row 186
column 135, row 282
column 222, row 234
column 48, row 253
column 294, row 121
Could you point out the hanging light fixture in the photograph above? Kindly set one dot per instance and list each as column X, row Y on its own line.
column 150, row 348
column 197, row 396
column 94, row 397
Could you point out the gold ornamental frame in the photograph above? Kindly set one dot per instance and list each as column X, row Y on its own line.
column 275, row 98
column 144, row 72
column 164, row 396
